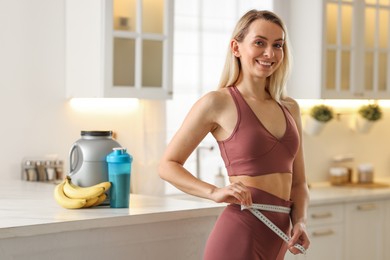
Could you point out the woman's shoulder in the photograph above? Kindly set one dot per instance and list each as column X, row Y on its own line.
column 292, row 105
column 216, row 99
column 221, row 93
column 211, row 106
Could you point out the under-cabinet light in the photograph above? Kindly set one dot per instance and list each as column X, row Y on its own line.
column 342, row 103
column 104, row 104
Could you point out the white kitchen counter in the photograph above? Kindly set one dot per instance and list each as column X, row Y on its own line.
column 175, row 228
column 29, row 208
column 324, row 193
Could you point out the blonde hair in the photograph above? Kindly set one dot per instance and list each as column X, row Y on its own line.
column 276, row 83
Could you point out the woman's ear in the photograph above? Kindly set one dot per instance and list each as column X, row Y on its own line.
column 234, row 48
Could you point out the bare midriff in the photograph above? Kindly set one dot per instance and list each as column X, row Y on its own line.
column 278, row 184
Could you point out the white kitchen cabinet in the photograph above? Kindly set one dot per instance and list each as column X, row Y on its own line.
column 341, row 49
column 119, row 48
column 387, row 230
column 163, row 240
column 364, row 227
column 325, row 227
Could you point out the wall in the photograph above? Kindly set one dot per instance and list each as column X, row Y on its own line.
column 32, row 102
column 339, row 138
column 37, row 120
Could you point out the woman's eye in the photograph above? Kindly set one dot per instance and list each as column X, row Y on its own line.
column 278, row 45
column 259, row 43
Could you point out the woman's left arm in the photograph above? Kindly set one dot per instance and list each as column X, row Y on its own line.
column 299, row 189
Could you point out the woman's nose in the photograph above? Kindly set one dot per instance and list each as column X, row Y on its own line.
column 269, row 52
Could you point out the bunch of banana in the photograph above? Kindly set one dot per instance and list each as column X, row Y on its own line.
column 72, row 196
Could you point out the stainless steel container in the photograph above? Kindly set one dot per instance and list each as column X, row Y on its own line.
column 365, row 173
column 87, row 157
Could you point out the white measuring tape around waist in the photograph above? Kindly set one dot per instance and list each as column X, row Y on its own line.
column 254, row 209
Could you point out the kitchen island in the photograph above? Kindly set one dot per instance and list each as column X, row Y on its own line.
column 348, row 222
column 33, row 226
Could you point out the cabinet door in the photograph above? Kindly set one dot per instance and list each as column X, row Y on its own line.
column 349, row 54
column 326, row 242
column 364, row 224
column 375, row 49
column 387, row 231
column 119, row 48
column 325, row 227
column 139, row 48
column 339, row 52
column 356, row 49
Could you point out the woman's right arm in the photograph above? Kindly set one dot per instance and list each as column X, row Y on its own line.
column 201, row 120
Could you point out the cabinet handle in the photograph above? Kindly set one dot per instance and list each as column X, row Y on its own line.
column 358, row 94
column 366, row 207
column 321, row 215
column 323, row 233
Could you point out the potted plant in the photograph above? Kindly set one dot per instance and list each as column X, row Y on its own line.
column 371, row 112
column 319, row 115
column 367, row 115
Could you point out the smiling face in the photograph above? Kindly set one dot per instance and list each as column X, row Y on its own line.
column 261, row 51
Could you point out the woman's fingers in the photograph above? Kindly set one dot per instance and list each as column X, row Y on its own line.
column 299, row 236
column 241, row 193
column 236, row 193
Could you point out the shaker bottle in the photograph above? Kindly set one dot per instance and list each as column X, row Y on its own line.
column 119, row 170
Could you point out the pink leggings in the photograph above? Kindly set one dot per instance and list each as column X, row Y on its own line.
column 239, row 235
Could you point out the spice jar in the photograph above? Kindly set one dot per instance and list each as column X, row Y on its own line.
column 338, row 175
column 29, row 171
column 345, row 161
column 365, row 173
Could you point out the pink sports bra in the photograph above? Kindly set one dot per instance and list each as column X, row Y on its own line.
column 252, row 150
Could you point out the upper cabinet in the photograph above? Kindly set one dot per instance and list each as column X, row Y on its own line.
column 341, row 49
column 119, row 48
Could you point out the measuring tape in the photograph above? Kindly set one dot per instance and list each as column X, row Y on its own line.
column 254, row 209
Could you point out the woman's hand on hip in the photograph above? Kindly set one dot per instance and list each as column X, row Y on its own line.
column 236, row 193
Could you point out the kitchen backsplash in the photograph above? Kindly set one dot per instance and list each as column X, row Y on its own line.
column 38, row 120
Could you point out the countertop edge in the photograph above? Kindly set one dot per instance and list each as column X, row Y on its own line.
column 114, row 221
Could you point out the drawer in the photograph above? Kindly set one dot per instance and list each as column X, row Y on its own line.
column 319, row 215
column 327, row 242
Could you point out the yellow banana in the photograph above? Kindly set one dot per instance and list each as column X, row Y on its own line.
column 76, row 192
column 91, row 202
column 66, row 202
column 106, row 185
column 100, row 200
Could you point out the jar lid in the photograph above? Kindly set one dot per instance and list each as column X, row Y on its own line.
column 338, row 171
column 365, row 167
column 96, row 133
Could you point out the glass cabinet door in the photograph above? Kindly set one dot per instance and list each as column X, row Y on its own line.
column 140, row 44
column 125, row 15
column 119, row 48
column 338, row 45
column 153, row 16
column 124, row 62
column 376, row 45
column 357, row 49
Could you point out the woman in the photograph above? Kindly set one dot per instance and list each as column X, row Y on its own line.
column 258, row 130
